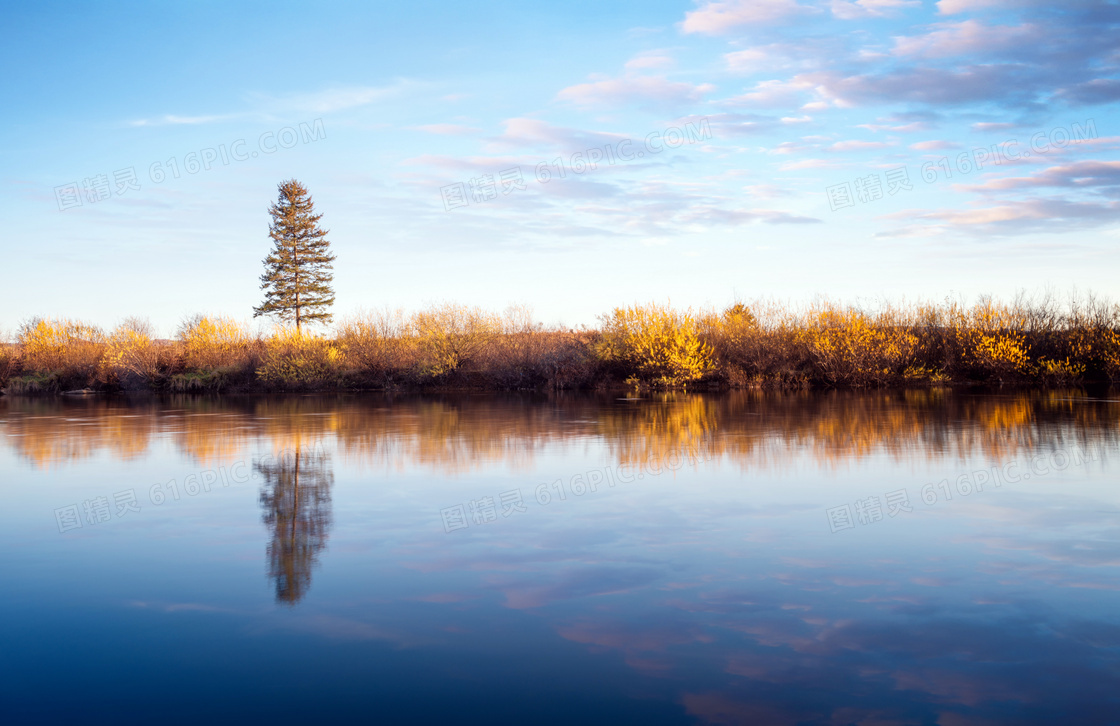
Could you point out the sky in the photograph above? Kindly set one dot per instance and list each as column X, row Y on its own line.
column 571, row 157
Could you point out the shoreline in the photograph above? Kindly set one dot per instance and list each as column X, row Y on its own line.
column 614, row 387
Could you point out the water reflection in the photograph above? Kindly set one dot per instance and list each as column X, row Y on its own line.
column 296, row 499
column 714, row 594
column 455, row 435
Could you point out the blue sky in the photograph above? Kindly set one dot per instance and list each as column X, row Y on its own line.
column 792, row 188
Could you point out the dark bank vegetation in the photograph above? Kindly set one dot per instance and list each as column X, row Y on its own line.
column 1039, row 341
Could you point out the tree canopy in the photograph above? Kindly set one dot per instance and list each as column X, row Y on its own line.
column 298, row 272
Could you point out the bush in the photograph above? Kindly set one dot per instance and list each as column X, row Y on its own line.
column 375, row 346
column 990, row 341
column 659, row 345
column 70, row 348
column 199, row 382
column 34, row 384
column 852, row 348
column 449, row 337
column 1058, row 372
column 9, row 360
column 131, row 355
column 213, row 343
column 299, row 358
column 756, row 345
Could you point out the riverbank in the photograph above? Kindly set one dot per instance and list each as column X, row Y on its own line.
column 450, row 347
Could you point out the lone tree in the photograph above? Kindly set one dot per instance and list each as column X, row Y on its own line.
column 298, row 272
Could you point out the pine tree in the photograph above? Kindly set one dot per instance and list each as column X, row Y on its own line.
column 298, row 272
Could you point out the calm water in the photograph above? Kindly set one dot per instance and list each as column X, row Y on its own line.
column 907, row 558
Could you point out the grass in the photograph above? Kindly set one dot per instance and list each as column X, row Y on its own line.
column 757, row 345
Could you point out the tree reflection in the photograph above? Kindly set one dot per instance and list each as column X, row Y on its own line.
column 455, row 434
column 296, row 499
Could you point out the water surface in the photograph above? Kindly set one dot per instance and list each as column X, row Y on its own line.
column 827, row 558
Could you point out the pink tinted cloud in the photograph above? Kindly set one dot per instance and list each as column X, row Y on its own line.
column 770, row 94
column 639, row 90
column 1078, row 174
column 857, row 145
column 845, row 10
column 534, row 133
column 934, row 145
column 969, row 37
column 723, row 16
column 650, row 59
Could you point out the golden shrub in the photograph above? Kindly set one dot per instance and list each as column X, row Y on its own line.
column 1059, row 371
column 213, row 343
column 299, row 357
column 851, row 347
column 66, row 346
column 662, row 345
column 450, row 336
column 131, row 351
column 8, row 361
column 1097, row 346
column 375, row 342
column 990, row 340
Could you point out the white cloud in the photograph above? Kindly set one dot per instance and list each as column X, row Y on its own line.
column 1013, row 217
column 652, row 59
column 1081, row 174
column 952, row 7
column 857, row 145
column 993, row 126
column 173, row 120
column 934, row 86
column 869, row 8
column 652, row 91
column 934, row 145
column 723, row 16
column 911, row 127
column 520, row 133
column 971, row 37
column 809, row 164
column 770, row 94
column 750, row 60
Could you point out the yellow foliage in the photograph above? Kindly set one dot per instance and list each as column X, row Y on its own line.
column 990, row 339
column 61, row 345
column 212, row 343
column 292, row 356
column 1060, row 371
column 1099, row 345
column 375, row 341
column 130, row 350
column 450, row 336
column 734, row 328
column 849, row 347
column 664, row 345
column 9, row 358
column 925, row 373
